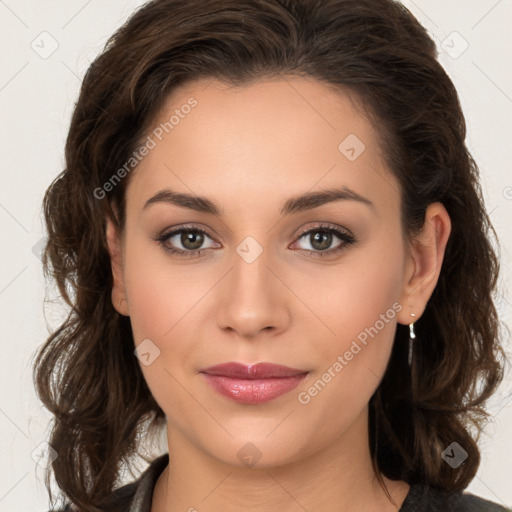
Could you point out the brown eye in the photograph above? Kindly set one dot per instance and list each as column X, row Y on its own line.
column 185, row 242
column 321, row 238
column 192, row 240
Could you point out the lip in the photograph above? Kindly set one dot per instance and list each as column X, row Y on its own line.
column 253, row 383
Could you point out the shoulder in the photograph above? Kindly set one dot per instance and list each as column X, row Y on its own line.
column 423, row 498
column 135, row 496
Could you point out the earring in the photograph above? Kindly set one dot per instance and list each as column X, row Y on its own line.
column 412, row 335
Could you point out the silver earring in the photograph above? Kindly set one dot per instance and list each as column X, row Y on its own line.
column 412, row 335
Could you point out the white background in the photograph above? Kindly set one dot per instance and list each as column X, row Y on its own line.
column 36, row 100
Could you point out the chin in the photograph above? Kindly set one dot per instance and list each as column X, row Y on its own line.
column 260, row 452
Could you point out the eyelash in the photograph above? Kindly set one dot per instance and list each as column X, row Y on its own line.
column 345, row 237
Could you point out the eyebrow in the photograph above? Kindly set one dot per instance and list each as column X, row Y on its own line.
column 296, row 204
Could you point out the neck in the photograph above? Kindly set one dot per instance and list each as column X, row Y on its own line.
column 338, row 477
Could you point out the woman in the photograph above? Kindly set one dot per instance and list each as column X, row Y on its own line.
column 274, row 245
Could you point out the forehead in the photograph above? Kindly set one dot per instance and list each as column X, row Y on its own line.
column 273, row 138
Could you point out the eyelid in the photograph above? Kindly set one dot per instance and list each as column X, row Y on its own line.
column 344, row 235
column 323, row 225
column 166, row 234
column 184, row 227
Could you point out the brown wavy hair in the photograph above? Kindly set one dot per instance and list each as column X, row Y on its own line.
column 86, row 373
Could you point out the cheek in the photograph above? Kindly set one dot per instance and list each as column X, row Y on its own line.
column 165, row 308
column 357, row 300
column 350, row 367
column 150, row 316
column 161, row 302
column 360, row 308
column 160, row 293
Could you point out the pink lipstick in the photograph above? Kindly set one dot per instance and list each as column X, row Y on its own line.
column 254, row 383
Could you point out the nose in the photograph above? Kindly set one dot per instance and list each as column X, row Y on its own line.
column 253, row 299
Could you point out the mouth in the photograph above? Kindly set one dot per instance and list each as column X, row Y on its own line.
column 254, row 383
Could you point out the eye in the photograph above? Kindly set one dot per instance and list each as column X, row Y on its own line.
column 190, row 239
column 321, row 237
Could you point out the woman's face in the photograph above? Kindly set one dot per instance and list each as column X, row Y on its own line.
column 269, row 284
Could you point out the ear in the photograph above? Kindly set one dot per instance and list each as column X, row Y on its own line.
column 115, row 249
column 423, row 264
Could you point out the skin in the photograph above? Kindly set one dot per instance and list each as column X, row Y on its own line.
column 250, row 149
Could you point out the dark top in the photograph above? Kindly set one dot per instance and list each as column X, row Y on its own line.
column 137, row 496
